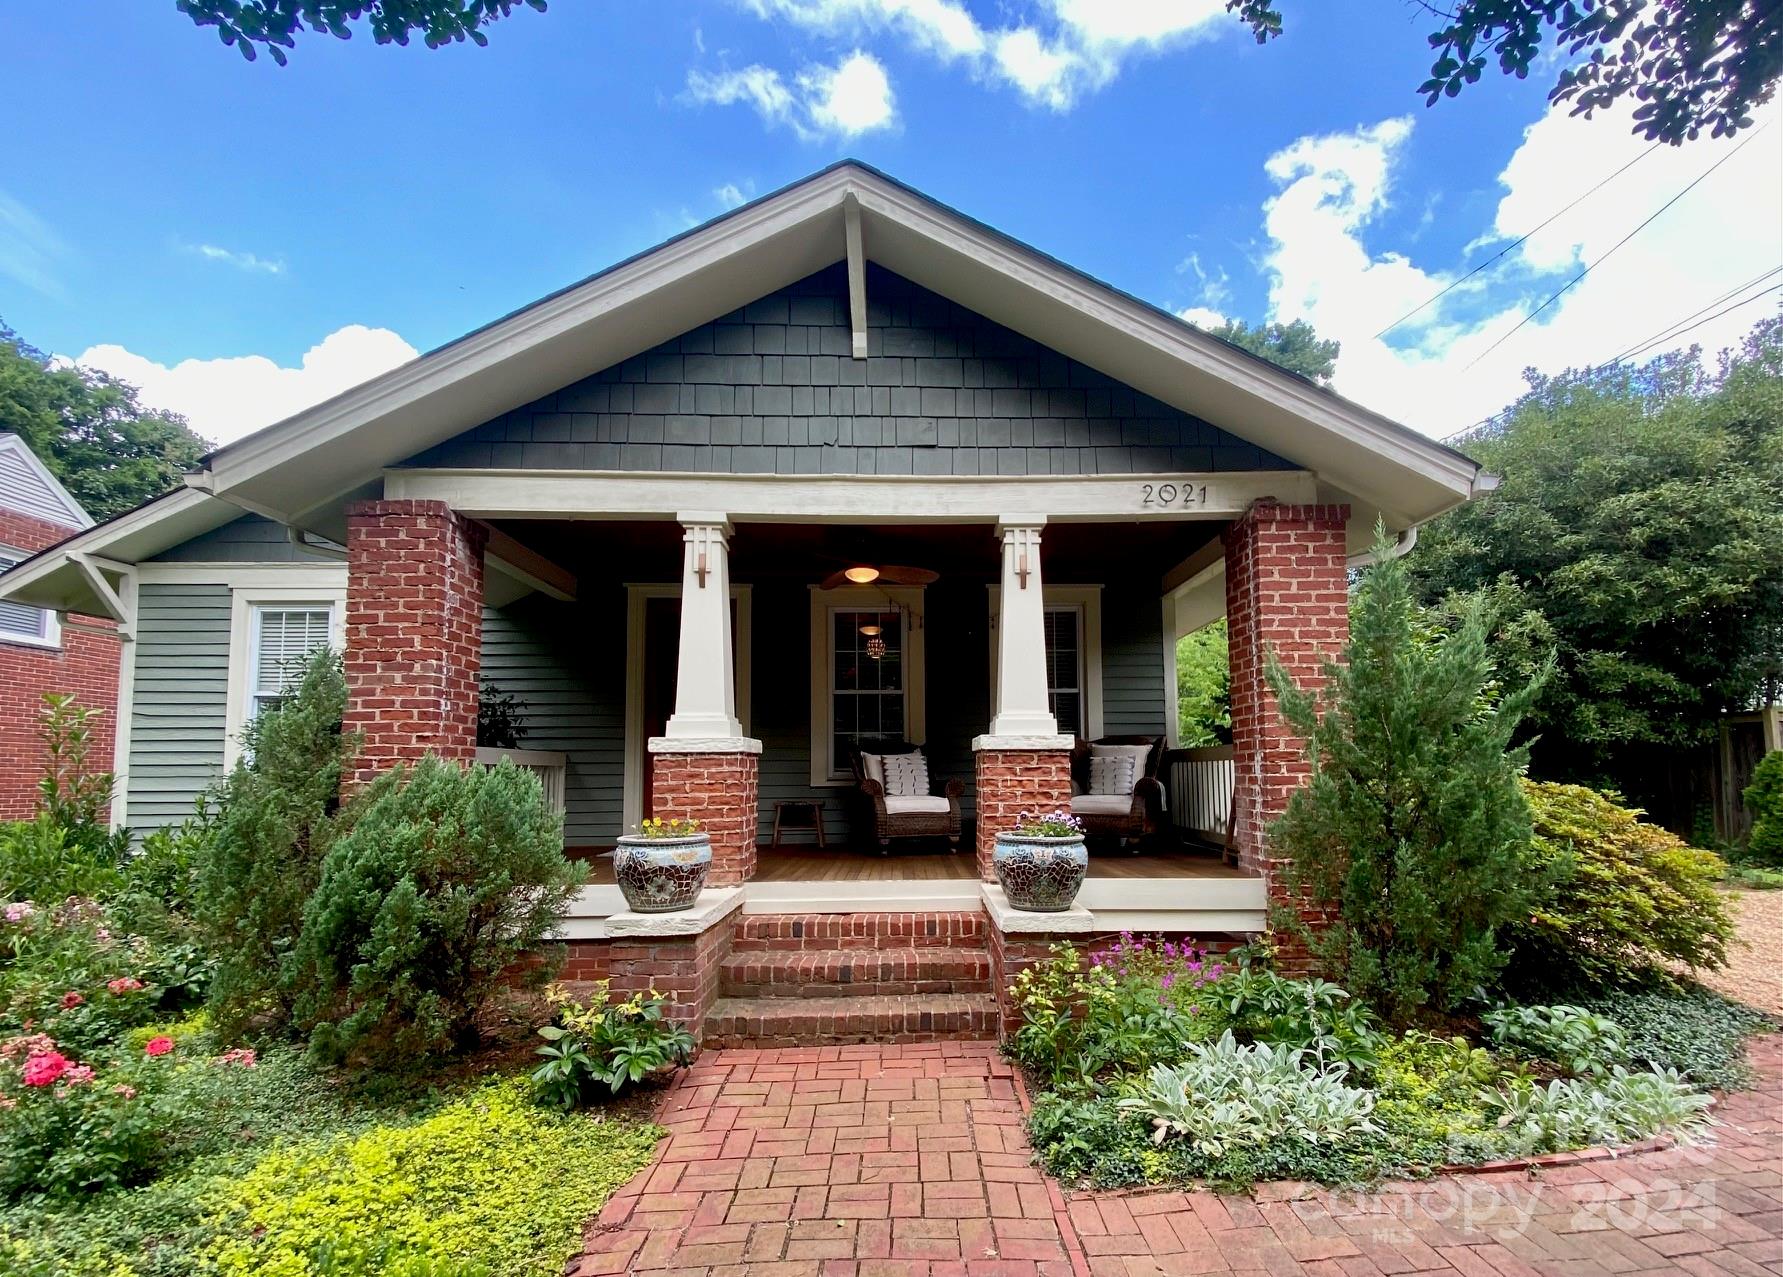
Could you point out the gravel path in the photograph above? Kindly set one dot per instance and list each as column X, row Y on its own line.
column 1754, row 972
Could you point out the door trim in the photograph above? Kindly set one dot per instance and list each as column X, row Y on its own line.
column 636, row 759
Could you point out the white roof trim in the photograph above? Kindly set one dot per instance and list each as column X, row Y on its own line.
column 77, row 513
column 316, row 457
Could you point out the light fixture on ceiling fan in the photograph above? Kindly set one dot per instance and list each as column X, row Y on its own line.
column 879, row 574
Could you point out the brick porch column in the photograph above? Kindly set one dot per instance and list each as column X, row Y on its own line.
column 703, row 767
column 414, row 632
column 1287, row 593
column 1023, row 764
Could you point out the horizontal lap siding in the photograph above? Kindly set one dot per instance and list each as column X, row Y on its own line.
column 1132, row 661
column 566, row 663
column 771, row 389
column 180, row 700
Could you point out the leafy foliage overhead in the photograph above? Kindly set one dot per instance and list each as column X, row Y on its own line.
column 1691, row 64
column 274, row 25
column 1636, row 528
column 1296, row 346
column 110, row 452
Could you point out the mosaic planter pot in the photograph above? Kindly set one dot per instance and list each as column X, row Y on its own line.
column 661, row 875
column 1040, row 875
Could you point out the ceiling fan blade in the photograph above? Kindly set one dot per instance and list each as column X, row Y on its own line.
column 900, row 574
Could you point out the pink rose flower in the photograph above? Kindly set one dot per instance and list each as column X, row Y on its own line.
column 158, row 1045
column 241, row 1055
column 71, row 999
column 79, row 1075
column 125, row 1090
column 45, row 1067
column 125, row 984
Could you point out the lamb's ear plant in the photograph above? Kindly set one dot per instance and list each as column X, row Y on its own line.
column 1617, row 1108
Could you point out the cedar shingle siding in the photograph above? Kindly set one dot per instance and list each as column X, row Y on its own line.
column 771, row 389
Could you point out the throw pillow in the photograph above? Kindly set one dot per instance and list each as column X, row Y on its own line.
column 1111, row 775
column 906, row 775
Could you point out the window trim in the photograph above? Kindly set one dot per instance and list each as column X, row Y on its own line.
column 1087, row 599
column 825, row 767
column 51, row 635
column 246, row 602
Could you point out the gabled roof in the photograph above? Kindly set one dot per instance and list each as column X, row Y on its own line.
column 300, row 470
column 27, row 487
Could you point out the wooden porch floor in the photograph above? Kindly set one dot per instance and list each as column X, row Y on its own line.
column 808, row 864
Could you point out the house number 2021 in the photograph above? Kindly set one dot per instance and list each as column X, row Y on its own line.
column 1172, row 496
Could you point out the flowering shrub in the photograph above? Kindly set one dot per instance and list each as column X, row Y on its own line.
column 675, row 827
column 1047, row 824
column 72, row 1126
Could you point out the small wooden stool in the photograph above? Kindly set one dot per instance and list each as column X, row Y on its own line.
column 810, row 816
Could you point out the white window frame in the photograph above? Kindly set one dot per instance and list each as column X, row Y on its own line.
column 1086, row 601
column 637, row 756
column 246, row 604
column 828, row 771
column 51, row 635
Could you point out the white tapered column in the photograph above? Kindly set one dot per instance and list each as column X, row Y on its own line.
column 1021, row 707
column 705, row 683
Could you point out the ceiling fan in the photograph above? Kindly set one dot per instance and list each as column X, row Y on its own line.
column 880, row 574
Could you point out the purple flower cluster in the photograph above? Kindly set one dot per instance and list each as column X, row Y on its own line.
column 1176, row 968
column 1048, row 824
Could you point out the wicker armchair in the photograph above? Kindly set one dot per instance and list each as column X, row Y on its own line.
column 1135, row 821
column 884, row 818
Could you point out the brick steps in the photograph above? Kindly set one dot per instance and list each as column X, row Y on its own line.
column 820, row 973
column 828, row 1021
column 756, row 933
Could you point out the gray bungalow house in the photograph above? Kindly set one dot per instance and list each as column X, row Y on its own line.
column 841, row 466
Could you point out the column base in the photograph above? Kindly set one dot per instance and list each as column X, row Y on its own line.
column 1017, row 774
column 718, row 789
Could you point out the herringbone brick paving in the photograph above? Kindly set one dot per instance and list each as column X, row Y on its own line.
column 887, row 1161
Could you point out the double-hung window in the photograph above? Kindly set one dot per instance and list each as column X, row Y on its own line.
column 20, row 623
column 284, row 635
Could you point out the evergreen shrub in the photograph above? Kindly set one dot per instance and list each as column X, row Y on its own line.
column 1764, row 796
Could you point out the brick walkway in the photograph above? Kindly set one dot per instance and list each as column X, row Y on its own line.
column 895, row 1160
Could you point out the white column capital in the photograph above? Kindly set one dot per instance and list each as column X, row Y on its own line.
column 1014, row 524
column 708, row 519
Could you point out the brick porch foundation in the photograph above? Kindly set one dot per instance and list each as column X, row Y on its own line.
column 719, row 791
column 1010, row 782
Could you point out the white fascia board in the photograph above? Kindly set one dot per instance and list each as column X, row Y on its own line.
column 593, row 325
column 52, row 578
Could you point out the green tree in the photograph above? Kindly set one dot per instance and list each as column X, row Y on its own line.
column 1204, row 687
column 110, row 452
column 1296, row 346
column 250, row 25
column 1636, row 526
column 1764, row 798
column 1691, row 64
column 1412, row 826
column 277, row 815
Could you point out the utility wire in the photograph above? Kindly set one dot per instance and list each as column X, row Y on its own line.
column 1717, row 315
column 1516, row 242
column 1646, row 222
column 1680, row 324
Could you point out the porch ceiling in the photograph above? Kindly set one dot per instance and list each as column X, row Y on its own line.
column 1071, row 553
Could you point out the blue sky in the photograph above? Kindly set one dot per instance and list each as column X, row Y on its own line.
column 204, row 226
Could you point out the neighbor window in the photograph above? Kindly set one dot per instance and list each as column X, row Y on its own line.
column 867, row 677
column 284, row 635
column 19, row 623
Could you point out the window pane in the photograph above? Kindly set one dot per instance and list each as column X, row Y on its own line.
column 1067, row 707
column 287, row 637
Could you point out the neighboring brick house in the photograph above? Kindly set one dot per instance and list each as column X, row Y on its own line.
column 842, row 465
column 38, row 653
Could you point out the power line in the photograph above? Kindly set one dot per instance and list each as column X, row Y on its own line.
column 1717, row 315
column 1518, row 241
column 1646, row 222
column 1680, row 324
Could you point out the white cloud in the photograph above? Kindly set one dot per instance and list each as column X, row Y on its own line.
column 734, row 195
column 30, row 250
column 241, row 261
column 1334, row 189
column 1201, row 316
column 232, row 396
column 845, row 100
column 1066, row 50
